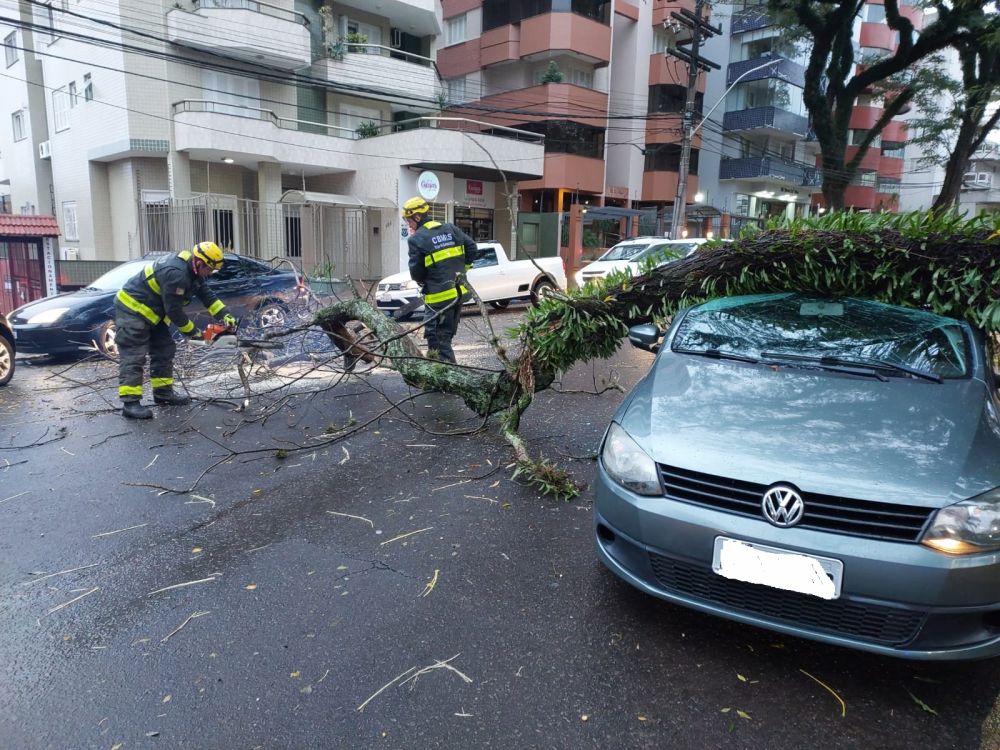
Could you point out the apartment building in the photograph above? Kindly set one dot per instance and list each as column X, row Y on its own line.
column 283, row 128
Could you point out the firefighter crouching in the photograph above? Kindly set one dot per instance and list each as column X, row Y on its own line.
column 144, row 309
column 439, row 254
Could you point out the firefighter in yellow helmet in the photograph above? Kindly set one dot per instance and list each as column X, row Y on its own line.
column 144, row 309
column 440, row 253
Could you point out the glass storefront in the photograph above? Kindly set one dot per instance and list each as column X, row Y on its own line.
column 475, row 222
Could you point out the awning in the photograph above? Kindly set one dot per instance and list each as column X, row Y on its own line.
column 21, row 225
column 332, row 199
column 701, row 211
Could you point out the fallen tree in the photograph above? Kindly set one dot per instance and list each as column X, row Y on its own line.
column 944, row 264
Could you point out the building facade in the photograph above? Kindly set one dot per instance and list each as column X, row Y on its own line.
column 286, row 128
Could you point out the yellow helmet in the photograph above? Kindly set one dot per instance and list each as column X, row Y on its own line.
column 415, row 208
column 210, row 254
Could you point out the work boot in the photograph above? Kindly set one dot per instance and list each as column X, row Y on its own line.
column 135, row 410
column 169, row 397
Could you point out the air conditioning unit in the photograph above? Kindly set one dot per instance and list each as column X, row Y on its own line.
column 71, row 253
column 396, row 38
column 44, row 150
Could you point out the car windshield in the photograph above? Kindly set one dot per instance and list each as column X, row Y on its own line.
column 835, row 331
column 624, row 251
column 115, row 279
column 665, row 251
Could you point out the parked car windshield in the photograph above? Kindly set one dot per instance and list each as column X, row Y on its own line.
column 805, row 327
column 115, row 279
column 624, row 251
column 665, row 251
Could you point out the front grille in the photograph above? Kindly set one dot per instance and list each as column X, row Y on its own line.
column 867, row 622
column 389, row 287
column 864, row 518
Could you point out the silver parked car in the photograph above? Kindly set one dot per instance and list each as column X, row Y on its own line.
column 826, row 468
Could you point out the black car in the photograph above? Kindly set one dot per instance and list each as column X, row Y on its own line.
column 65, row 323
column 7, row 351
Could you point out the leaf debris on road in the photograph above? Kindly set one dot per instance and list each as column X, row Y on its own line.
column 189, row 618
column 843, row 706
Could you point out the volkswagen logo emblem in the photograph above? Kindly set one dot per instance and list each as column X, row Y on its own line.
column 782, row 506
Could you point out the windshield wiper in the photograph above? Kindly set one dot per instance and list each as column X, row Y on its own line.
column 882, row 364
column 718, row 354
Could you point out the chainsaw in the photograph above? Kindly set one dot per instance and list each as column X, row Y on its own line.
column 220, row 336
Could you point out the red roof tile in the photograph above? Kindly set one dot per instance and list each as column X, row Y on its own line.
column 20, row 225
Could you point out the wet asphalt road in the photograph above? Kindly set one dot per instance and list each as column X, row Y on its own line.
column 395, row 590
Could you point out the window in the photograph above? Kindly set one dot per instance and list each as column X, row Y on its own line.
column 18, row 126
column 45, row 17
column 73, row 97
column 70, row 230
column 873, row 13
column 60, row 109
column 456, row 91
column 666, row 157
column 10, row 48
column 498, row 13
column 767, row 92
column 576, row 76
column 455, row 29
column 568, row 137
column 888, row 186
column 855, row 137
column 88, row 88
column 893, row 150
column 671, row 98
column 661, row 40
column 867, row 179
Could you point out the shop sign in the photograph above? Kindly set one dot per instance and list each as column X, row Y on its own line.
column 474, row 187
column 617, row 191
column 429, row 185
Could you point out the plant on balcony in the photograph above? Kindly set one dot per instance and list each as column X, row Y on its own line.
column 336, row 50
column 552, row 73
column 367, row 130
column 354, row 39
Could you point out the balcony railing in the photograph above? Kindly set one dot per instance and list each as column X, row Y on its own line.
column 257, row 7
column 766, row 117
column 786, row 70
column 256, row 113
column 767, row 167
column 338, row 50
column 464, row 125
column 750, row 19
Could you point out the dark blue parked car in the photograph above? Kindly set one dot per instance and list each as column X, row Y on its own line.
column 65, row 323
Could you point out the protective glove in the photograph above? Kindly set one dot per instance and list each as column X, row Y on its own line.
column 196, row 335
column 230, row 321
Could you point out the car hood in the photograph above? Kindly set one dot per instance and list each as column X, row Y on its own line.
column 396, row 278
column 906, row 440
column 72, row 300
column 604, row 267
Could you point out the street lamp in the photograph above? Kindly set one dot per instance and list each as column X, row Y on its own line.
column 679, row 218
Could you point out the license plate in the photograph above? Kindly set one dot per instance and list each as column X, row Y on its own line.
column 778, row 568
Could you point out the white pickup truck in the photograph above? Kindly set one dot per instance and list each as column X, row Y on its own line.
column 495, row 277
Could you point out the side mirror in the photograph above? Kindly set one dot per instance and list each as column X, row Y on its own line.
column 645, row 336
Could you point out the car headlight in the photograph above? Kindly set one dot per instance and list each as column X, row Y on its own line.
column 628, row 464
column 411, row 284
column 49, row 316
column 967, row 527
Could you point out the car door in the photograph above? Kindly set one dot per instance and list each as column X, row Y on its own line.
column 487, row 275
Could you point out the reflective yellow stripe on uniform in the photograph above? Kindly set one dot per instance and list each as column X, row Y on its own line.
column 161, row 382
column 448, row 252
column 187, row 327
column 130, row 390
column 136, row 306
column 215, row 307
column 184, row 255
column 447, row 294
column 432, row 224
column 151, row 280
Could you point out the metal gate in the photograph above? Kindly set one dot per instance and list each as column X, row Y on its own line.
column 335, row 239
column 21, row 273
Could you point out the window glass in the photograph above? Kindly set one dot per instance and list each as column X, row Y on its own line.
column 17, row 125
column 487, row 257
column 60, row 109
column 666, row 157
column 671, row 98
column 455, row 29
column 116, row 277
column 625, row 251
column 859, row 330
column 10, row 48
column 568, row 137
column 70, row 229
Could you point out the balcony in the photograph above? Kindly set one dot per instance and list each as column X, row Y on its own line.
column 661, row 187
column 766, row 120
column 784, row 69
column 664, row 70
column 896, row 131
column 877, row 35
column 416, row 17
column 248, row 30
column 583, row 105
column 768, row 169
column 382, row 69
column 750, row 19
column 663, row 8
column 869, row 162
column 570, row 171
column 568, row 33
column 861, row 197
column 890, row 166
column 500, row 45
column 459, row 59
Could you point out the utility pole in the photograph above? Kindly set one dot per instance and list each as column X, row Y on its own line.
column 696, row 64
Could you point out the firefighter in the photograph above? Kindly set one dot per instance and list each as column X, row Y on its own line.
column 440, row 253
column 144, row 309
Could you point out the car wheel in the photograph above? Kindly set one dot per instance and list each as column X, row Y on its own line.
column 6, row 361
column 271, row 315
column 105, row 340
column 540, row 291
column 500, row 304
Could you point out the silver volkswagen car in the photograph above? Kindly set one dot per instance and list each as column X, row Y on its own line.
column 825, row 468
